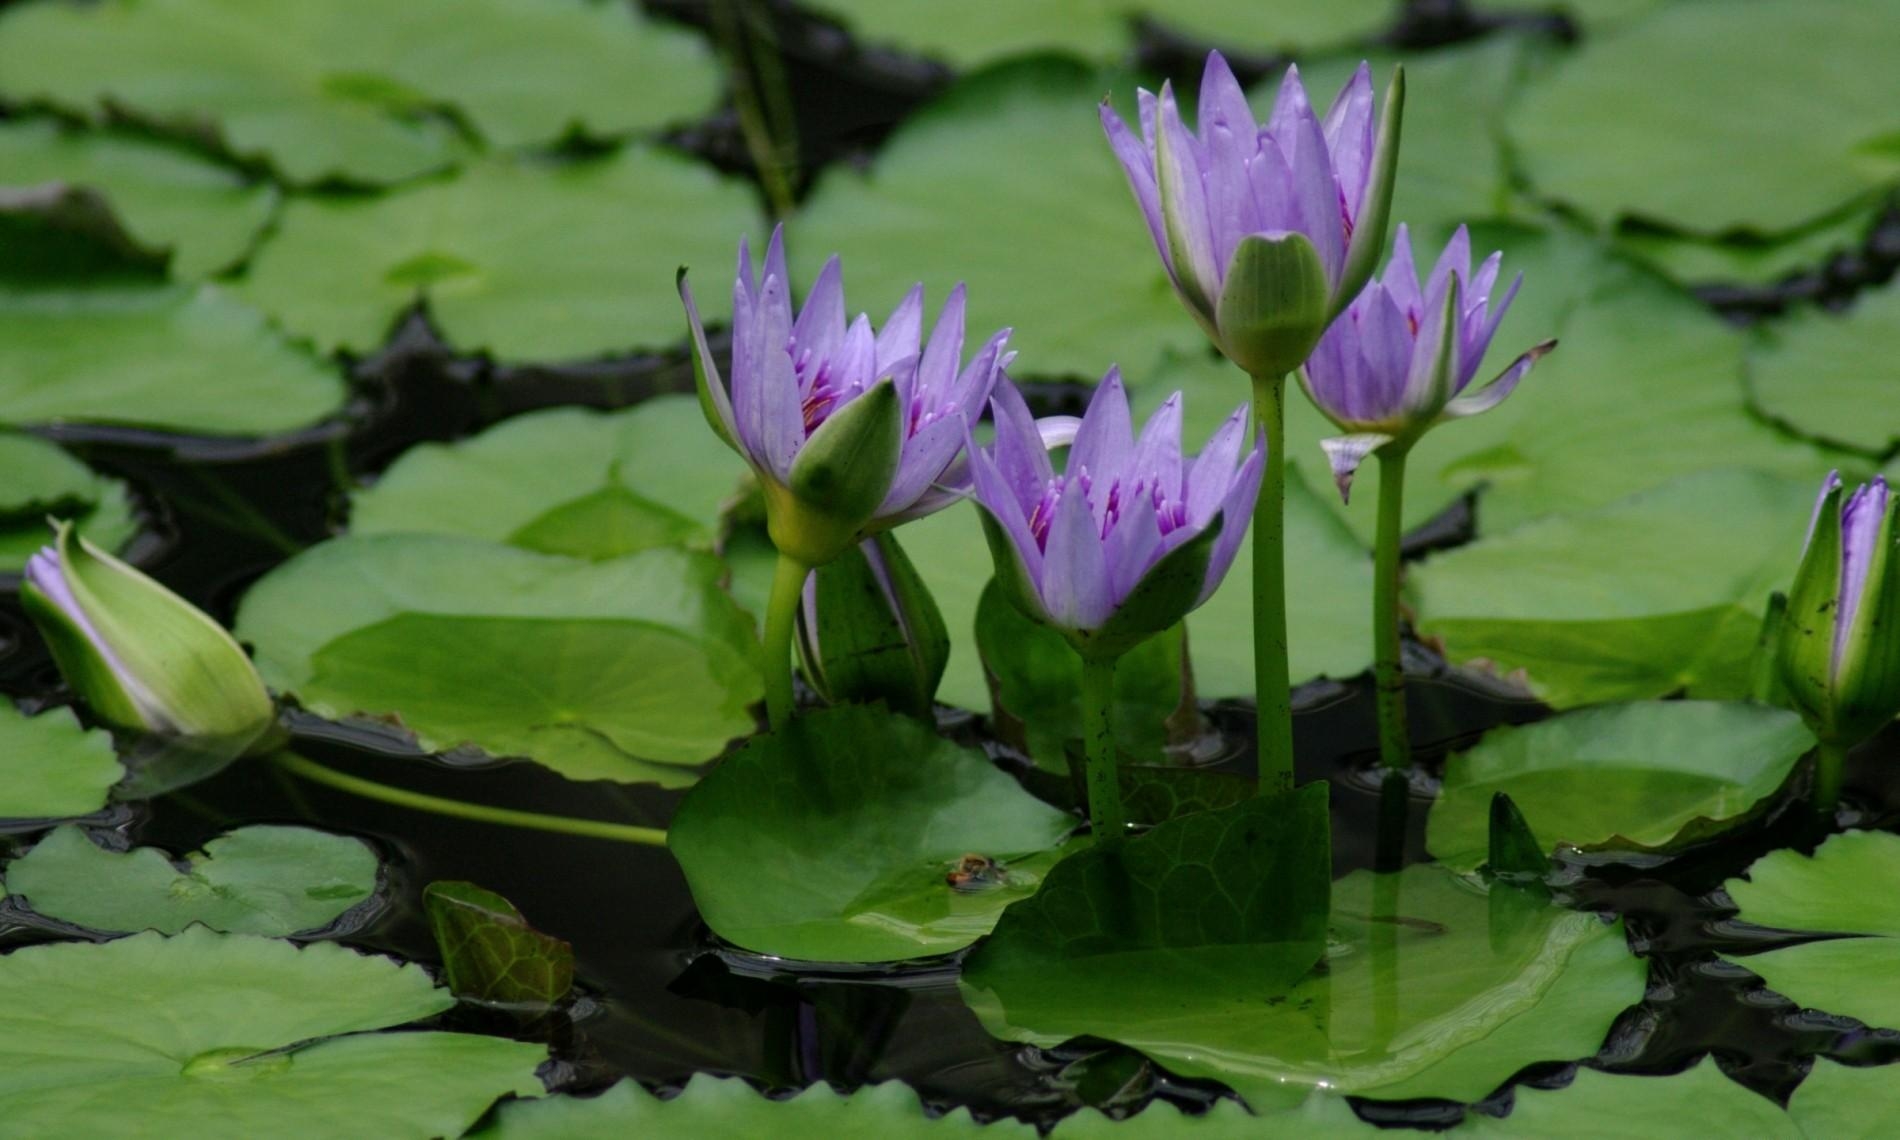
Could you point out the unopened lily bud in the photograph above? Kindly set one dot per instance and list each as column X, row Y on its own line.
column 140, row 655
column 1840, row 641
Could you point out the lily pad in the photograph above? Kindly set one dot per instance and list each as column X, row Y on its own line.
column 173, row 357
column 38, row 479
column 833, row 840
column 489, row 951
column 1739, row 132
column 716, row 1106
column 262, row 879
column 1659, row 594
column 351, row 88
column 523, row 259
column 168, row 200
column 564, row 481
column 51, row 767
column 1699, row 1102
column 1006, row 183
column 1849, row 886
column 1593, row 15
column 631, row 669
column 1694, row 259
column 1839, row 1102
column 1425, row 994
column 1644, row 776
column 1318, row 1115
column 1831, row 376
column 221, row 1035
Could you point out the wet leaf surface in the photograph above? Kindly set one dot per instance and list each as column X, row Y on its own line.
column 489, row 951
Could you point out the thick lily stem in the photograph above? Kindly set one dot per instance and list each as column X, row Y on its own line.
column 1829, row 760
column 481, row 813
column 1272, row 685
column 1098, row 740
column 788, row 587
column 1388, row 672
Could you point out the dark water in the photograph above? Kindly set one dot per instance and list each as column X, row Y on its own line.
column 662, row 999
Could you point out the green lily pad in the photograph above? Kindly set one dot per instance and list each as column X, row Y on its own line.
column 832, row 839
column 523, row 259
column 1006, row 183
column 1830, row 376
column 263, row 879
column 489, row 951
column 1699, row 1102
column 168, row 200
column 1847, row 887
column 1661, row 593
column 1839, row 1102
column 1594, row 15
column 1643, row 776
column 1317, row 1115
column 1738, row 132
column 233, row 1036
column 631, row 669
column 564, row 481
column 1434, row 988
column 51, row 767
column 172, row 357
column 348, row 88
column 1694, row 259
column 38, row 479
column 715, row 1106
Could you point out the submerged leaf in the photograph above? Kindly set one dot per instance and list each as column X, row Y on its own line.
column 489, row 951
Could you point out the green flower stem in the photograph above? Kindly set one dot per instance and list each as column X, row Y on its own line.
column 1388, row 671
column 1098, row 738
column 1829, row 759
column 788, row 587
column 481, row 813
column 1272, row 686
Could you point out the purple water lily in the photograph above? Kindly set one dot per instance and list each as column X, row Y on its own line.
column 1403, row 354
column 1129, row 524
column 792, row 376
column 1294, row 181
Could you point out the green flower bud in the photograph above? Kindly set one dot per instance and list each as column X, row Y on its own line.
column 1840, row 641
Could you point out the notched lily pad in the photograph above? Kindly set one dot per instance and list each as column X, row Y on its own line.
column 489, row 951
column 1650, row 776
column 51, row 767
column 264, row 879
column 230, row 1037
column 859, row 835
column 38, row 480
column 1830, row 375
column 1699, row 1102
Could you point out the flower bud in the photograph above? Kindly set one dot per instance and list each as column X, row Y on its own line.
column 1840, row 641
column 140, row 655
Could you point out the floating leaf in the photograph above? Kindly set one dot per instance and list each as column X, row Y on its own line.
column 628, row 669
column 564, row 481
column 232, row 1036
column 1850, row 885
column 715, row 1106
column 37, row 479
column 51, row 767
column 168, row 200
column 1694, row 259
column 841, row 837
column 1738, row 131
column 1660, row 593
column 1420, row 997
column 1648, row 776
column 1318, row 1115
column 489, row 951
column 262, row 879
column 1838, row 1101
column 177, row 358
column 346, row 88
column 523, row 259
column 1699, row 1102
column 1830, row 376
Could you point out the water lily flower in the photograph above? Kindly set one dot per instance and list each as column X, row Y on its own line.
column 850, row 429
column 1840, row 642
column 1129, row 536
column 1402, row 356
column 141, row 656
column 1267, row 231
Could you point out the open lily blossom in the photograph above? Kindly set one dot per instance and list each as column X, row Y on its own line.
column 1267, row 230
column 1403, row 355
column 850, row 429
column 1130, row 536
column 1838, row 651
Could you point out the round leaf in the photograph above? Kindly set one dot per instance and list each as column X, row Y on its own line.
column 1645, row 776
column 832, row 840
column 1830, row 376
column 262, row 879
column 51, row 767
